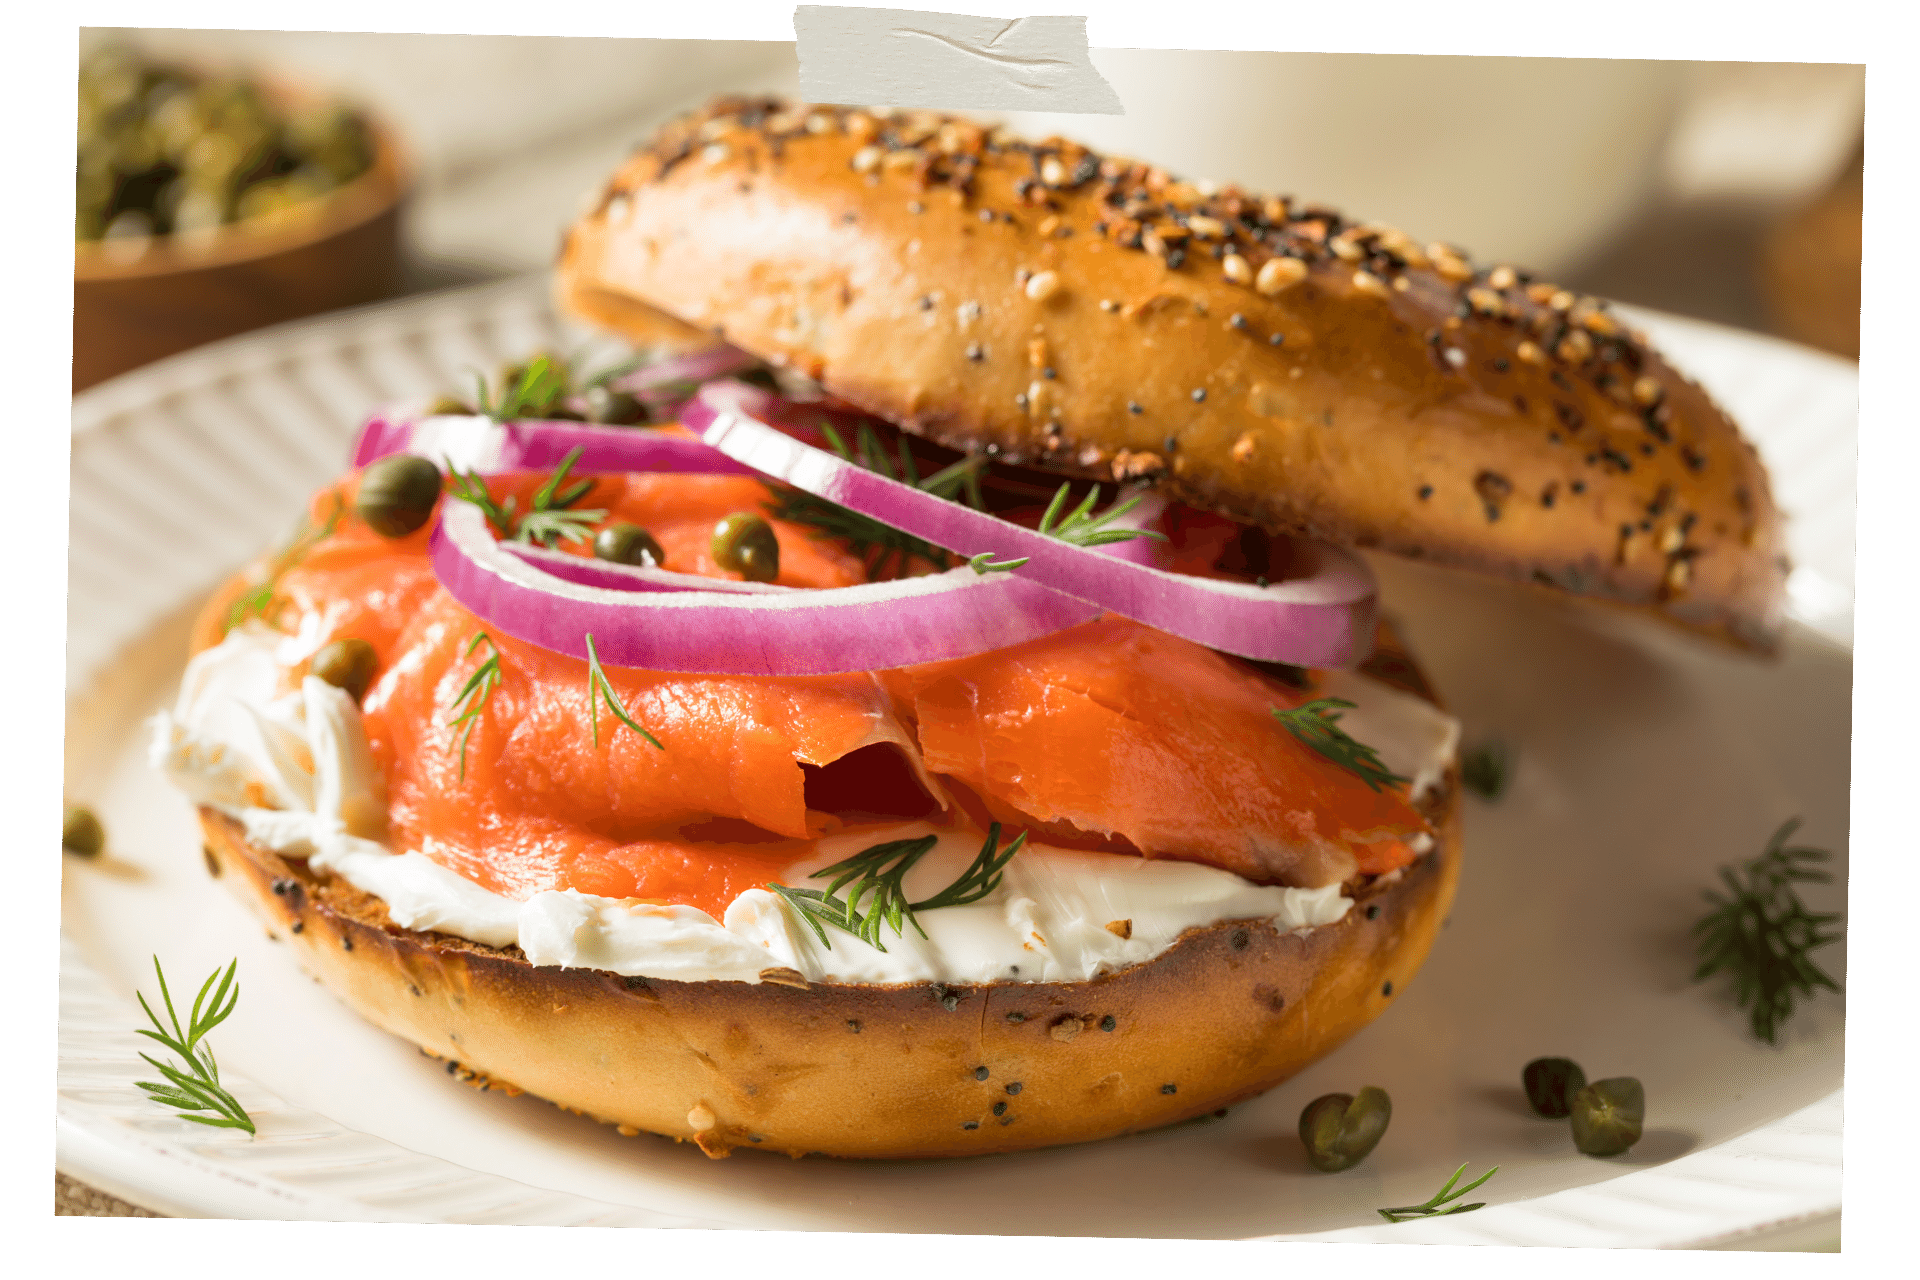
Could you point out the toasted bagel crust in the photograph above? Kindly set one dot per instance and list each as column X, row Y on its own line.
column 1070, row 311
column 864, row 1070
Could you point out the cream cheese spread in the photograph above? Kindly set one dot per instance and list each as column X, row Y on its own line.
column 295, row 771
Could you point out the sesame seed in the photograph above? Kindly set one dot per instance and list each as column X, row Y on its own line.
column 1016, row 1016
column 976, row 352
column 866, row 159
column 1531, row 353
column 1109, row 305
column 971, row 1124
column 1015, row 1087
column 1199, row 394
column 986, row 215
column 1426, row 491
column 1043, row 286
column 1169, row 1088
column 1502, row 278
column 1373, row 911
column 1237, row 269
column 1456, row 357
column 1237, row 321
column 979, row 1073
column 1021, row 399
column 914, row 206
column 1367, row 282
column 999, row 1108
column 926, row 302
column 1386, row 988
column 1170, row 444
column 1133, row 406
column 1048, row 373
column 1277, row 274
column 1276, row 339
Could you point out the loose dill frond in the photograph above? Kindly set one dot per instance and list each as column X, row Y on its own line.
column 1762, row 934
column 472, row 699
column 879, row 900
column 197, row 1088
column 1445, row 1196
column 597, row 689
column 1317, row 724
column 263, row 600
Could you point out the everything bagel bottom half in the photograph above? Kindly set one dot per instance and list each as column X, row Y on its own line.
column 871, row 1071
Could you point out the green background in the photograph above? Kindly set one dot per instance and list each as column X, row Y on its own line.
column 35, row 321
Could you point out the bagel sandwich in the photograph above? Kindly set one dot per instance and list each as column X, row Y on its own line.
column 1115, row 876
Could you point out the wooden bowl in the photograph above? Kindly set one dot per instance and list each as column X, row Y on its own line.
column 138, row 299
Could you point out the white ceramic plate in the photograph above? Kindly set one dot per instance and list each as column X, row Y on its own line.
column 1644, row 760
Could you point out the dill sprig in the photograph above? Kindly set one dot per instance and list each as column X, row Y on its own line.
column 598, row 688
column 473, row 698
column 541, row 382
column 1445, row 1196
column 198, row 1087
column 548, row 516
column 1084, row 529
column 263, row 600
column 470, row 486
column 1317, row 725
column 874, row 542
column 958, row 481
column 1760, row 932
column 879, row 897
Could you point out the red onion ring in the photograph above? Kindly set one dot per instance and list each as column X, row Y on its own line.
column 1325, row 619
column 696, row 367
column 483, row 445
column 681, row 622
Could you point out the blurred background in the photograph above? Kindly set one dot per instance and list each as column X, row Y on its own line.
column 1724, row 191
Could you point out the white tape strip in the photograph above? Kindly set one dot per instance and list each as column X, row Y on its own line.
column 949, row 61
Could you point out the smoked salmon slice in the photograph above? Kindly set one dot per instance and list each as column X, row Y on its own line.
column 1109, row 735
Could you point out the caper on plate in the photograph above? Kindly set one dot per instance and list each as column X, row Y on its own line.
column 1339, row 1130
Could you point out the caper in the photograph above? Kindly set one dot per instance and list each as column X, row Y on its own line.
column 81, row 832
column 625, row 543
column 1550, row 1084
column 347, row 664
column 744, row 543
column 615, row 408
column 760, row 376
column 397, row 494
column 1607, row 1116
column 1340, row 1129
